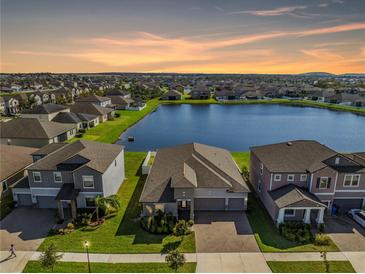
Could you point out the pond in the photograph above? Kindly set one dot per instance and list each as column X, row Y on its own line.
column 237, row 127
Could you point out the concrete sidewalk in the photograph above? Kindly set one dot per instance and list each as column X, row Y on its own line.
column 14, row 265
column 304, row 256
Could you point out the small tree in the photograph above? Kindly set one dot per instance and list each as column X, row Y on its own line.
column 49, row 257
column 175, row 259
column 324, row 257
column 182, row 228
column 107, row 204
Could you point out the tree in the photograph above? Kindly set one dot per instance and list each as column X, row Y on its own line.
column 49, row 257
column 182, row 228
column 324, row 257
column 175, row 259
column 107, row 204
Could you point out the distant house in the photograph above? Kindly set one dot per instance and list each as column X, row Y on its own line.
column 227, row 95
column 300, row 180
column 193, row 177
column 11, row 105
column 71, row 176
column 172, row 95
column 80, row 120
column 33, row 132
column 118, row 92
column 200, row 93
column 2, row 105
column 13, row 161
column 45, row 112
column 120, row 102
column 95, row 99
column 101, row 112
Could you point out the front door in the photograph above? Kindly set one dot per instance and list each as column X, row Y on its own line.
column 183, row 209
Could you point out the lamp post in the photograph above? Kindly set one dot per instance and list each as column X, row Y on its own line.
column 87, row 244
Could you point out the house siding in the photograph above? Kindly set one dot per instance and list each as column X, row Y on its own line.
column 114, row 176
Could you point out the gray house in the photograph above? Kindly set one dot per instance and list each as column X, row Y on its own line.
column 33, row 132
column 71, row 176
column 193, row 177
column 172, row 95
column 300, row 180
column 45, row 112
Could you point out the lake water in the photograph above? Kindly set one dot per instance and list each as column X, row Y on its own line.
column 237, row 127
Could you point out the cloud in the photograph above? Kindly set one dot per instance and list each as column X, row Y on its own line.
column 273, row 12
column 323, row 5
column 323, row 54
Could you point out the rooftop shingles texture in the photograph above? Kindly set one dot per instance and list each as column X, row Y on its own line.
column 293, row 196
column 192, row 166
column 45, row 109
column 99, row 155
column 120, row 100
column 172, row 93
column 47, row 149
column 90, row 108
column 93, row 98
column 14, row 159
column 67, row 117
column 299, row 156
column 32, row 128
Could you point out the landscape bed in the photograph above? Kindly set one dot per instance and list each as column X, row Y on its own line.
column 82, row 267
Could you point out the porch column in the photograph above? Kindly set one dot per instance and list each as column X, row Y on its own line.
column 280, row 218
column 320, row 215
column 192, row 209
column 73, row 209
column 307, row 216
column 60, row 210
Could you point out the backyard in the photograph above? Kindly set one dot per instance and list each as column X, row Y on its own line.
column 311, row 267
column 78, row 267
column 123, row 233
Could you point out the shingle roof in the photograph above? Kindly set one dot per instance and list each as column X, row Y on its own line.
column 293, row 196
column 45, row 109
column 47, row 149
column 98, row 156
column 295, row 156
column 32, row 128
column 172, row 93
column 14, row 159
column 117, row 92
column 92, row 98
column 90, row 109
column 192, row 165
column 120, row 100
column 67, row 117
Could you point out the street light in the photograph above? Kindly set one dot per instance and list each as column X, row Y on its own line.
column 87, row 244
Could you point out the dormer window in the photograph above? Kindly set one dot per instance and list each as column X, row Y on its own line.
column 337, row 161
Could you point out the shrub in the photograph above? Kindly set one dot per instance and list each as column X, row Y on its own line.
column 321, row 227
column 70, row 226
column 182, row 228
column 52, row 232
column 322, row 239
column 296, row 231
column 117, row 115
column 160, row 223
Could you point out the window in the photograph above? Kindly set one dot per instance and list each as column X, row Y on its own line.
column 90, row 201
column 57, row 177
column 337, row 161
column 303, row 177
column 324, row 182
column 259, row 186
column 289, row 212
column 88, row 181
column 261, row 168
column 351, row 180
column 277, row 177
column 290, row 177
column 37, row 178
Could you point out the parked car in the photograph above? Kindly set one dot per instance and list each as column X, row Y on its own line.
column 358, row 215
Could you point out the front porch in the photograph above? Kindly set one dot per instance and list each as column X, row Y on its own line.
column 67, row 196
column 308, row 215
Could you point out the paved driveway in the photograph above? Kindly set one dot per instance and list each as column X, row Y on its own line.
column 26, row 228
column 346, row 233
column 217, row 232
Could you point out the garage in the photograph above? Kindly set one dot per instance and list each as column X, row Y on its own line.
column 46, row 202
column 236, row 204
column 209, row 204
column 345, row 205
column 24, row 200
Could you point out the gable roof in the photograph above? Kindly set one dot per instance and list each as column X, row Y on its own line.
column 295, row 156
column 92, row 98
column 192, row 166
column 293, row 196
column 32, row 128
column 90, row 109
column 95, row 155
column 172, row 93
column 45, row 109
column 14, row 159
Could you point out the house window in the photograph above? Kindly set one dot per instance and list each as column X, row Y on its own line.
column 259, row 186
column 351, row 180
column 303, row 177
column 57, row 177
column 277, row 177
column 88, row 181
column 90, row 201
column 37, row 178
column 5, row 186
column 261, row 168
column 289, row 212
column 290, row 177
column 323, row 183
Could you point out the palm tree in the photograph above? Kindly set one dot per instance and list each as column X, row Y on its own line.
column 106, row 203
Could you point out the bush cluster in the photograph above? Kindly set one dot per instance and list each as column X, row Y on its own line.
column 160, row 223
column 322, row 239
column 296, row 231
column 183, row 227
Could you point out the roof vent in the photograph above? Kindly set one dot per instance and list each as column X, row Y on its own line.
column 289, row 143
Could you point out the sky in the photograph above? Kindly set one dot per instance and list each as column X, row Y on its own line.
column 231, row 36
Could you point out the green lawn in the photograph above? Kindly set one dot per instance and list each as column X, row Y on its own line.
column 77, row 267
column 267, row 235
column 122, row 233
column 6, row 206
column 311, row 267
column 109, row 131
column 242, row 159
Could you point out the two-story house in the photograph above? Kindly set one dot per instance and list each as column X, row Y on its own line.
column 71, row 176
column 45, row 112
column 193, row 177
column 299, row 180
column 95, row 99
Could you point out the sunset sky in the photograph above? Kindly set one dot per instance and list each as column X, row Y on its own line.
column 183, row 36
